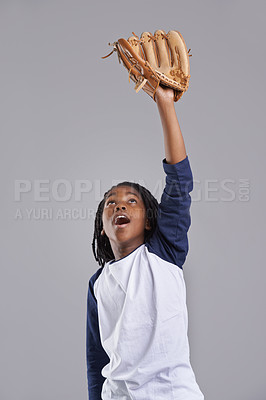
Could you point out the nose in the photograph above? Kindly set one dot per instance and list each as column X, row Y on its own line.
column 120, row 206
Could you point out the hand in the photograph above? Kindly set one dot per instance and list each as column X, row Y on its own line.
column 164, row 94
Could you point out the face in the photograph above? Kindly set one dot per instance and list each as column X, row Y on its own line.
column 124, row 217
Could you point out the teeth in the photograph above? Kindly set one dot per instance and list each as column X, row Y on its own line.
column 120, row 216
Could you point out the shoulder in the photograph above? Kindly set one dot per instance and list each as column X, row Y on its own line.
column 96, row 275
column 92, row 281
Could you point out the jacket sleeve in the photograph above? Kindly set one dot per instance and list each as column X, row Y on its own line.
column 170, row 241
column 96, row 356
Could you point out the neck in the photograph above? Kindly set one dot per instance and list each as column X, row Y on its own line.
column 122, row 250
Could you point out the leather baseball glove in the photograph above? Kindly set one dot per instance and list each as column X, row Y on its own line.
column 153, row 60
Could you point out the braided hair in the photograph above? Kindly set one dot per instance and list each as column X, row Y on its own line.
column 101, row 246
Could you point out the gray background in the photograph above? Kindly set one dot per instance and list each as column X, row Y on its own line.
column 68, row 114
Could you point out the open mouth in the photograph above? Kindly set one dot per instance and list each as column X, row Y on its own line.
column 121, row 220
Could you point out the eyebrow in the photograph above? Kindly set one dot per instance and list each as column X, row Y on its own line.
column 113, row 193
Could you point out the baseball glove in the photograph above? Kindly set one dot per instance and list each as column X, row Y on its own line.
column 153, row 60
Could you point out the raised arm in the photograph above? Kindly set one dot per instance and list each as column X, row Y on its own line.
column 173, row 140
column 170, row 241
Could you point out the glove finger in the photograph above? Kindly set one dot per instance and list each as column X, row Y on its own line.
column 149, row 48
column 179, row 51
column 126, row 55
column 141, row 73
column 163, row 49
column 134, row 42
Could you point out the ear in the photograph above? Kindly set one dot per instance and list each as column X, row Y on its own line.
column 102, row 232
column 147, row 225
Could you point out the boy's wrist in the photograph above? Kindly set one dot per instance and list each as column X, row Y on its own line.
column 164, row 96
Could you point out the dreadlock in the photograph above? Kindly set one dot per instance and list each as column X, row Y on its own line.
column 101, row 246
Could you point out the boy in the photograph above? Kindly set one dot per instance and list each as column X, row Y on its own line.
column 137, row 344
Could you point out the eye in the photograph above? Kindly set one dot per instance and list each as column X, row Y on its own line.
column 110, row 202
column 132, row 200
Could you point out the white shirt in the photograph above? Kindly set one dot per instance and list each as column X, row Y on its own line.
column 143, row 327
